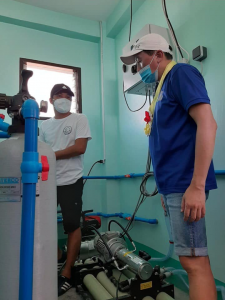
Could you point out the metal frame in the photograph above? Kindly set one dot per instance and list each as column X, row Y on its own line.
column 77, row 72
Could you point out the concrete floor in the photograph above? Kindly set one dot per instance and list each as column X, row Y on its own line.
column 72, row 295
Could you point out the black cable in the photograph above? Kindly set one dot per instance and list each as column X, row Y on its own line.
column 143, row 195
column 128, row 105
column 99, row 234
column 131, row 17
column 145, row 178
column 167, row 17
column 140, row 201
column 117, row 288
column 121, row 226
column 97, row 162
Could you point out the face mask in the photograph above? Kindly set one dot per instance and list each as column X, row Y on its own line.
column 146, row 74
column 62, row 105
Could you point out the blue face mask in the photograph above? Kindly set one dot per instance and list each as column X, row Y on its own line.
column 146, row 74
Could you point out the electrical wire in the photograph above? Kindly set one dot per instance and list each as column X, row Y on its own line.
column 149, row 98
column 173, row 34
column 131, row 17
column 143, row 195
column 171, row 27
column 97, row 162
column 114, row 221
column 145, row 178
column 128, row 104
column 117, row 288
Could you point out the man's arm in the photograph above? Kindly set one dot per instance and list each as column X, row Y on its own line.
column 77, row 149
column 193, row 203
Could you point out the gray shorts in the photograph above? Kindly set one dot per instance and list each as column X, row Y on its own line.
column 189, row 237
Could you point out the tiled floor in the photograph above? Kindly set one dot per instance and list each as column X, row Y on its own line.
column 72, row 295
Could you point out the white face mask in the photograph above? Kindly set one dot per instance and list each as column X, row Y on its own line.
column 62, row 105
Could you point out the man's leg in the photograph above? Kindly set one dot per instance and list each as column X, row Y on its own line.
column 201, row 281
column 70, row 200
column 73, row 248
column 190, row 243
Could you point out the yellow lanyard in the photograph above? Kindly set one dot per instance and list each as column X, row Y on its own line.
column 168, row 68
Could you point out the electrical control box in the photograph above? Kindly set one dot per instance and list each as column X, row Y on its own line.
column 199, row 53
column 132, row 80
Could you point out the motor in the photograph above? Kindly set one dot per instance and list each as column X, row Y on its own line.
column 120, row 252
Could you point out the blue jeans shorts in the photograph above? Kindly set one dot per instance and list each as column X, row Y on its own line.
column 189, row 237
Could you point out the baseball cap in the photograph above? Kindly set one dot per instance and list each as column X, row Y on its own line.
column 57, row 88
column 150, row 41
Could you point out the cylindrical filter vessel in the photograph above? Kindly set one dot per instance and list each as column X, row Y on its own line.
column 108, row 285
column 45, row 237
column 95, row 288
column 117, row 274
column 163, row 296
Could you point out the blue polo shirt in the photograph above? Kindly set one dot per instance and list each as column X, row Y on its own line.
column 173, row 135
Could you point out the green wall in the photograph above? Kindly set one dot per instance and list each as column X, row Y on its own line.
column 196, row 23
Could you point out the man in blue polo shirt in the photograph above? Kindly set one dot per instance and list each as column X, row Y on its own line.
column 182, row 135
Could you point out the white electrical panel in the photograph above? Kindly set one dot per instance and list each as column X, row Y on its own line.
column 132, row 82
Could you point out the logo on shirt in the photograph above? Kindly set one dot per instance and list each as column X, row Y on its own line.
column 67, row 130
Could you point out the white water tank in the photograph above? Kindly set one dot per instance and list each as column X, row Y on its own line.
column 45, row 238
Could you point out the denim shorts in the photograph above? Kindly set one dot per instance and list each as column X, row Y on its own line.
column 189, row 237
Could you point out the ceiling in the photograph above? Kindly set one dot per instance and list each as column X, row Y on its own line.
column 98, row 10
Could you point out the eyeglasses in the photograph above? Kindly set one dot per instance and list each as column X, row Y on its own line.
column 138, row 62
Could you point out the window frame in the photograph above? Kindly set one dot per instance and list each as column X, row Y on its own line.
column 76, row 70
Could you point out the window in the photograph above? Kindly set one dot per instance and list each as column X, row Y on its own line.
column 45, row 76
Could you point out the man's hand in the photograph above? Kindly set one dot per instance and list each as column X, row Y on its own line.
column 193, row 204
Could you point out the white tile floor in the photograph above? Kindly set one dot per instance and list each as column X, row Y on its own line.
column 72, row 295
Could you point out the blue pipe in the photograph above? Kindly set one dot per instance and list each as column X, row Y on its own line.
column 29, row 168
column 4, row 135
column 124, row 216
column 133, row 175
column 120, row 215
column 3, row 125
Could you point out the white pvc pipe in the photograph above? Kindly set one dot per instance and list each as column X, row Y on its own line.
column 102, row 93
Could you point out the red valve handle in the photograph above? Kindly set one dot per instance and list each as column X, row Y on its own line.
column 45, row 167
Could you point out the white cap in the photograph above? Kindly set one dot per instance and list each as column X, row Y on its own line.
column 150, row 41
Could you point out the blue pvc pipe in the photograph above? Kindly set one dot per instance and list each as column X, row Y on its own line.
column 220, row 172
column 30, row 168
column 133, row 175
column 3, row 125
column 120, row 215
column 4, row 135
column 27, row 242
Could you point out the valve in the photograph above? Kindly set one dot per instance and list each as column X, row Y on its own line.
column 45, row 168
